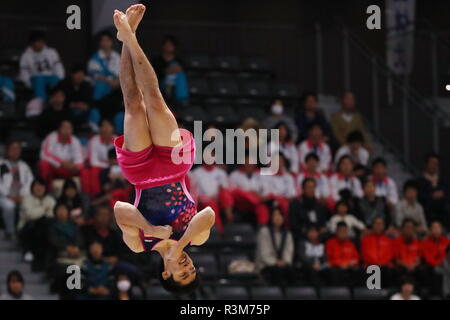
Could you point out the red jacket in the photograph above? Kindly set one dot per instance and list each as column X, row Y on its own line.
column 434, row 251
column 408, row 253
column 377, row 249
column 340, row 253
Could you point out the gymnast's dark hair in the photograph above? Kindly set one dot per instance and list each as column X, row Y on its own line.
column 174, row 287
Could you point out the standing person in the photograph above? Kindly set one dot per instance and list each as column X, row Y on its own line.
column 275, row 251
column 40, row 66
column 164, row 217
column 15, row 285
column 15, row 182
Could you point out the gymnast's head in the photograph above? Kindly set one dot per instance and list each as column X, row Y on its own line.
column 178, row 276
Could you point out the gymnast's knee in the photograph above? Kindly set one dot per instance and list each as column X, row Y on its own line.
column 122, row 210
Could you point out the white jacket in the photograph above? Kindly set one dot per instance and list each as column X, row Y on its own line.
column 98, row 151
column 322, row 150
column 33, row 208
column 240, row 180
column 209, row 182
column 45, row 62
column 55, row 151
column 25, row 175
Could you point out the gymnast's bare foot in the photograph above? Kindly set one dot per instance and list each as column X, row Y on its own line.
column 124, row 31
column 134, row 15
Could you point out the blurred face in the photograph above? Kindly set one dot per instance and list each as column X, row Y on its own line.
column 168, row 47
column 409, row 230
column 65, row 129
column 348, row 101
column 57, row 100
column 432, row 166
column 310, row 189
column 78, row 77
column 62, row 214
column 407, row 289
column 369, row 189
column 14, row 151
column 182, row 270
column 313, row 235
column 346, row 167
column 106, row 129
column 38, row 45
column 102, row 217
column 355, row 146
column 277, row 219
column 342, row 233
column 436, row 229
column 96, row 250
column 106, row 43
column 379, row 170
column 315, row 134
column 38, row 190
column 310, row 104
column 70, row 192
column 342, row 209
column 15, row 286
column 378, row 226
column 411, row 194
column 311, row 165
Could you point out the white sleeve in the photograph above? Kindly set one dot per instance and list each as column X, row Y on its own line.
column 28, row 180
column 325, row 161
column 325, row 186
column 357, row 188
column 334, row 189
column 25, row 69
column 357, row 223
column 57, row 67
column 93, row 68
column 301, row 153
column 291, row 187
column 392, row 191
column 294, row 160
column 78, row 156
column 46, row 152
column 93, row 154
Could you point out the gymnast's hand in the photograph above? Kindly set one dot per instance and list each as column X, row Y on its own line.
column 161, row 232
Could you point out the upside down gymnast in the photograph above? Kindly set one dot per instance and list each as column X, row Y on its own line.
column 164, row 217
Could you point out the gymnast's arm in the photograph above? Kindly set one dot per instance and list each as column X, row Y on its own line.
column 198, row 230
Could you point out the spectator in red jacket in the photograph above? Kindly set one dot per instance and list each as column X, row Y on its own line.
column 378, row 249
column 407, row 247
column 343, row 257
column 433, row 246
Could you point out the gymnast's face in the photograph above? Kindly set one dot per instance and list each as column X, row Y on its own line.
column 182, row 269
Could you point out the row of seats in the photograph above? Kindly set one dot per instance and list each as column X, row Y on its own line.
column 277, row 293
column 232, row 63
column 235, row 87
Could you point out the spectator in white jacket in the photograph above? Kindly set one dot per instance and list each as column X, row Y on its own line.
column 36, row 209
column 385, row 186
column 61, row 154
column 98, row 149
column 103, row 67
column 311, row 171
column 286, row 146
column 355, row 149
column 40, row 66
column 342, row 215
column 316, row 144
column 15, row 181
column 344, row 180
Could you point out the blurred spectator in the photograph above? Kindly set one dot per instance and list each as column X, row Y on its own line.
column 7, row 90
column 98, row 148
column 54, row 113
column 354, row 147
column 15, row 181
column 371, row 206
column 406, row 291
column 97, row 274
column 14, row 285
column 103, row 67
column 385, row 186
column 434, row 245
column 75, row 201
column 311, row 115
column 311, row 253
column 61, row 154
column 125, row 289
column 347, row 120
column 306, row 210
column 245, row 186
column 378, row 249
column 280, row 187
column 169, row 70
column 344, row 182
column 286, row 146
column 65, row 237
column 408, row 251
column 322, row 188
column 342, row 215
column 40, row 66
column 410, row 208
column 78, row 92
column 277, row 116
column 444, row 271
column 213, row 190
column 275, row 251
column 315, row 144
column 342, row 256
column 35, row 212
column 433, row 191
